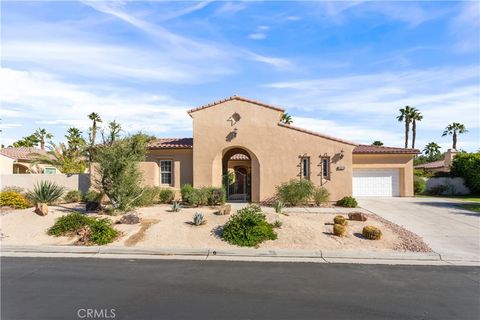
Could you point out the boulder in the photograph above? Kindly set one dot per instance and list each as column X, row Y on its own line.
column 84, row 235
column 224, row 209
column 130, row 218
column 357, row 216
column 41, row 209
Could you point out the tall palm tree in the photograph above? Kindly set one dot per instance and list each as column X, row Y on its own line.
column 28, row 141
column 95, row 117
column 415, row 116
column 63, row 158
column 286, row 118
column 454, row 129
column 42, row 135
column 405, row 115
column 432, row 150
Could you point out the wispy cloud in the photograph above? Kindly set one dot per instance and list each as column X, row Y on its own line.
column 465, row 26
column 260, row 33
column 230, row 8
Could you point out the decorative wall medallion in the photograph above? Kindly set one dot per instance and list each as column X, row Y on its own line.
column 234, row 118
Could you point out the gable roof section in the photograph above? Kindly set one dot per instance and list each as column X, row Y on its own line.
column 21, row 153
column 431, row 165
column 171, row 143
column 367, row 149
column 235, row 97
column 281, row 124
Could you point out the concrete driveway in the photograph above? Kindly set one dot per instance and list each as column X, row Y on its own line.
column 449, row 230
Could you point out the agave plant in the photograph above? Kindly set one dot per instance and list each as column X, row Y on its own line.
column 198, row 219
column 176, row 206
column 278, row 206
column 46, row 192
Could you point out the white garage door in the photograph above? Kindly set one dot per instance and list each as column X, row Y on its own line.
column 376, row 182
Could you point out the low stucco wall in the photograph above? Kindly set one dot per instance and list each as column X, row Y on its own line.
column 455, row 186
column 27, row 181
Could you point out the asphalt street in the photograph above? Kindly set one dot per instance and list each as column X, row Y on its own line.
column 84, row 288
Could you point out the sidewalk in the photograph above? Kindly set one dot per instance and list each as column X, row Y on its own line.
column 240, row 254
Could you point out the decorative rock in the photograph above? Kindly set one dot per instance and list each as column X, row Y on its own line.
column 130, row 218
column 41, row 209
column 357, row 216
column 85, row 233
column 225, row 209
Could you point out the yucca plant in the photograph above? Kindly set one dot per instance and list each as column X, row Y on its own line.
column 46, row 192
column 198, row 219
column 278, row 206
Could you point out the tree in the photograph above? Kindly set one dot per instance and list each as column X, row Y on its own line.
column 454, row 129
column 63, row 158
column 114, row 129
column 119, row 176
column 286, row 118
column 30, row 141
column 405, row 115
column 75, row 140
column 95, row 117
column 432, row 150
column 467, row 166
column 377, row 143
column 41, row 135
column 415, row 116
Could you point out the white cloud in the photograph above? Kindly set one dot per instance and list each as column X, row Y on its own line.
column 466, row 27
column 292, row 18
column 257, row 36
column 230, row 7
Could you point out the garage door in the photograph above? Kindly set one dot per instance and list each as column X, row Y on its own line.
column 376, row 182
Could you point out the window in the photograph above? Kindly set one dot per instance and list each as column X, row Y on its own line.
column 49, row 170
column 306, row 167
column 166, row 172
column 326, row 168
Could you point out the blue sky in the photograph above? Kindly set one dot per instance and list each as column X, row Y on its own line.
column 340, row 68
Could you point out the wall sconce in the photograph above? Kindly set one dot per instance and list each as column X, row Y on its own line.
column 342, row 154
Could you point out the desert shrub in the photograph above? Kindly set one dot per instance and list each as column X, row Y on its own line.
column 46, row 192
column 371, row 233
column 198, row 219
column 191, row 195
column 320, row 195
column 13, row 199
column 248, row 227
column 215, row 196
column 148, row 197
column 278, row 206
column 73, row 196
column 13, row 189
column 295, row 192
column 467, row 166
column 102, row 231
column 92, row 196
column 340, row 220
column 185, row 191
column 418, row 185
column 166, row 195
column 277, row 224
column 438, row 190
column 203, row 196
column 339, row 230
column 348, row 202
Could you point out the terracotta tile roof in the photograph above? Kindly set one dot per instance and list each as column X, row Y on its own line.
column 21, row 153
column 431, row 165
column 366, row 149
column 281, row 124
column 239, row 156
column 171, row 143
column 235, row 97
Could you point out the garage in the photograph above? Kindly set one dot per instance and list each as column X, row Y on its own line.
column 376, row 182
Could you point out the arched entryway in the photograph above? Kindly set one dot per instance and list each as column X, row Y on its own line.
column 237, row 175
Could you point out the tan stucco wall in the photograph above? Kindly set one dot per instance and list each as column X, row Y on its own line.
column 6, row 165
column 274, row 150
column 403, row 162
column 10, row 166
column 182, row 166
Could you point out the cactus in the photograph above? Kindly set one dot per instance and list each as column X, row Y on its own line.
column 278, row 206
column 372, row 233
column 339, row 230
column 198, row 219
column 176, row 206
column 340, row 220
column 277, row 224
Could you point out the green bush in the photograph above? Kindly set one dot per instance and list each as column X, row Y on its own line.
column 102, row 231
column 339, row 230
column 14, row 200
column 203, row 196
column 149, row 197
column 248, row 227
column 166, row 195
column 215, row 196
column 320, row 195
column 46, row 192
column 372, row 233
column 418, row 185
column 340, row 220
column 348, row 202
column 73, row 196
column 92, row 196
column 467, row 166
column 295, row 192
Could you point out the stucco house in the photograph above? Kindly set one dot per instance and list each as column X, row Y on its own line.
column 19, row 161
column 440, row 165
column 243, row 144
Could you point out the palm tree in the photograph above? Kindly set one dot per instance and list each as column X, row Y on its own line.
column 63, row 158
column 415, row 116
column 74, row 139
column 286, row 118
column 95, row 117
column 377, row 143
column 454, row 129
column 29, row 142
column 405, row 115
column 432, row 150
column 42, row 135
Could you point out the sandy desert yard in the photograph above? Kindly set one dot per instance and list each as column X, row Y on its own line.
column 164, row 229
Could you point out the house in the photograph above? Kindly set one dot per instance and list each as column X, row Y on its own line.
column 242, row 144
column 441, row 165
column 19, row 161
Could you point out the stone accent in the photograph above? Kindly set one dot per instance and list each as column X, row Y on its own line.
column 41, row 209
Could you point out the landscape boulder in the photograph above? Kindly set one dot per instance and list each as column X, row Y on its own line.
column 130, row 218
column 357, row 216
column 41, row 209
column 224, row 209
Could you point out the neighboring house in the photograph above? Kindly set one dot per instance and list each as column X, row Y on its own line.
column 19, row 161
column 241, row 143
column 441, row 165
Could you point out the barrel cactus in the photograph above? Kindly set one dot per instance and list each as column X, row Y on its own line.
column 340, row 220
column 198, row 219
column 339, row 230
column 372, row 233
column 176, row 206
